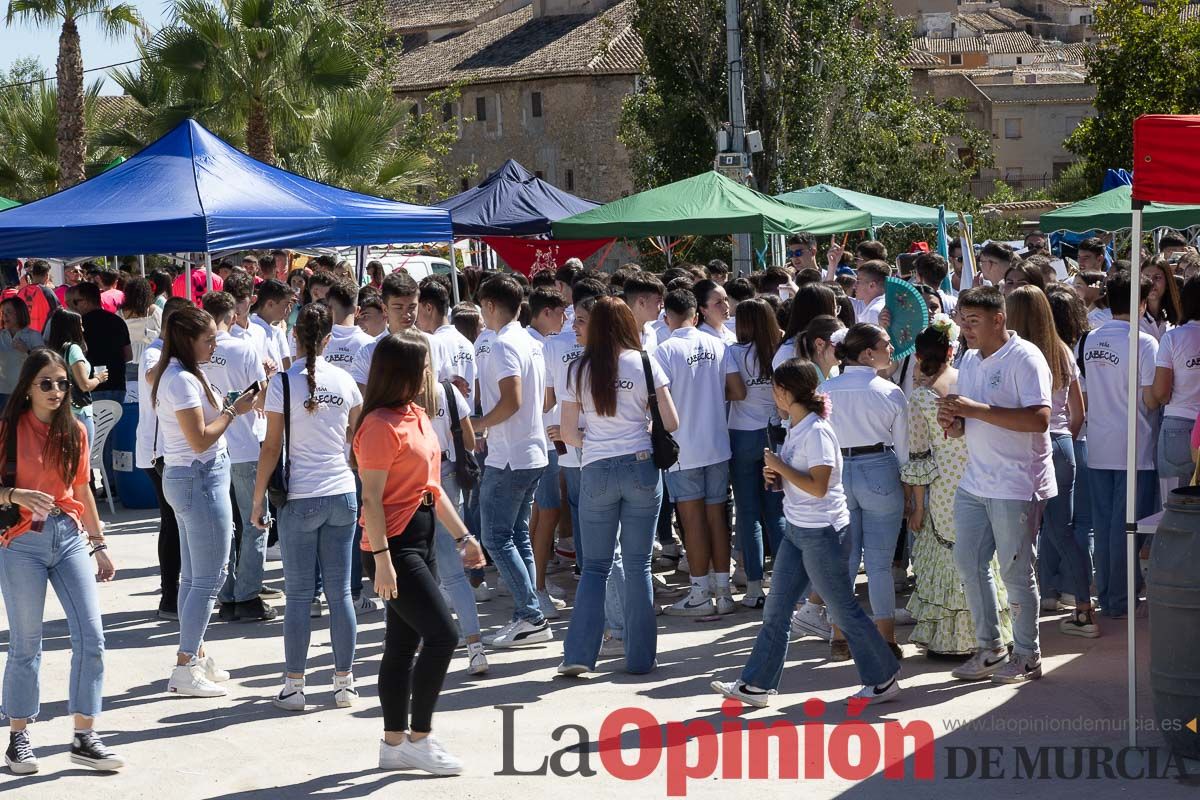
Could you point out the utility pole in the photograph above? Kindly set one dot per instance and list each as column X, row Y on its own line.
column 736, row 163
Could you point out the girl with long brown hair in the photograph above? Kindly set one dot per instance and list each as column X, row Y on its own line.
column 759, row 512
column 620, row 490
column 49, row 545
column 1029, row 314
column 399, row 463
column 192, row 422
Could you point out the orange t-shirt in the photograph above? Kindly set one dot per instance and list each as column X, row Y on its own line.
column 402, row 442
column 36, row 471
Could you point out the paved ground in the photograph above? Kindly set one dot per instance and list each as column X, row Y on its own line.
column 241, row 747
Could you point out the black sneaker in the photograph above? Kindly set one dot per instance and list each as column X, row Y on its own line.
column 89, row 751
column 19, row 755
column 167, row 609
column 255, row 610
column 227, row 612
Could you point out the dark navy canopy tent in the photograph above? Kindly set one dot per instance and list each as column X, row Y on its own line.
column 192, row 192
column 512, row 202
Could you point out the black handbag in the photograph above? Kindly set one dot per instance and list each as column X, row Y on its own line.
column 79, row 398
column 466, row 466
column 662, row 444
column 10, row 513
column 277, row 488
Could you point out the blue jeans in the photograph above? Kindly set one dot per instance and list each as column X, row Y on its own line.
column 1005, row 528
column 318, row 531
column 1058, row 533
column 757, row 508
column 619, row 498
column 199, row 493
column 709, row 483
column 449, row 562
column 58, row 556
column 614, row 614
column 547, row 495
column 1083, row 497
column 816, row 555
column 247, row 556
column 505, row 502
column 876, row 501
column 1174, row 452
column 1108, row 522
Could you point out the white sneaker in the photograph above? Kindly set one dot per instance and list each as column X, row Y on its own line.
column 274, row 553
column 314, row 610
column 612, row 647
column 482, row 593
column 903, row 618
column 1019, row 669
column 188, row 680
column 725, row 604
column 693, row 605
column 883, row 693
column 428, row 755
column 547, row 606
column 571, row 670
column 211, row 670
column 810, row 619
column 750, row 695
column 365, row 605
column 476, row 659
column 755, row 597
column 344, row 693
column 520, row 632
column 391, row 756
column 1053, row 605
column 664, row 589
column 291, row 696
column 981, row 666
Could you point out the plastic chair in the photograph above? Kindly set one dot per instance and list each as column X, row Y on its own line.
column 105, row 416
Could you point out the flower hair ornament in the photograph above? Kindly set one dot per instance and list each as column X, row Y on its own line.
column 946, row 326
column 838, row 336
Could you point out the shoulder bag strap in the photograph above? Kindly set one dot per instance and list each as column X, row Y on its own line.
column 8, row 474
column 1079, row 355
column 651, row 396
column 455, row 422
column 287, row 427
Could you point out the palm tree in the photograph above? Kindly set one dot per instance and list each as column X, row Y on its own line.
column 264, row 65
column 114, row 19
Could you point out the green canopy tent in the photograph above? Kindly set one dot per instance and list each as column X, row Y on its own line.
column 706, row 205
column 1112, row 211
column 6, row 203
column 883, row 212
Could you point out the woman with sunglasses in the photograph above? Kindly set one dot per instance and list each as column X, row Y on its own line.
column 47, row 545
column 66, row 339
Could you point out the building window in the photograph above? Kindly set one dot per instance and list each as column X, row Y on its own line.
column 1020, row 60
column 570, row 180
column 536, row 102
column 481, row 109
column 447, row 112
column 955, row 59
column 1012, row 128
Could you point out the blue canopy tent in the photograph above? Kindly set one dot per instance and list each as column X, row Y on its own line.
column 511, row 202
column 190, row 191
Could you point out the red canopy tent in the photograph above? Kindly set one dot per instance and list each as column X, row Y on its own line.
column 1166, row 169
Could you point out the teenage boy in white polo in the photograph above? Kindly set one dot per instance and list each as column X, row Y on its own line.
column 512, row 388
column 1003, row 408
column 433, row 304
column 704, row 377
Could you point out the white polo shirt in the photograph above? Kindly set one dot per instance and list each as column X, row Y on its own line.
column 1179, row 351
column 1004, row 464
column 1106, row 385
column 234, row 365
column 360, row 368
column 277, row 347
column 753, row 413
column 723, row 333
column 345, row 342
column 441, row 420
column 520, row 441
column 560, row 353
column 812, row 443
column 695, row 365
column 628, row 430
column 458, row 354
column 149, row 443
column 868, row 312
column 868, row 410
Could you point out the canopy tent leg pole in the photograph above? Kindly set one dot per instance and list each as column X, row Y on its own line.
column 187, row 277
column 1131, row 563
column 453, row 273
column 360, row 258
column 208, row 272
column 142, row 264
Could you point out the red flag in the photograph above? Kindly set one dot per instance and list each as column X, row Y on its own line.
column 1166, row 158
column 530, row 256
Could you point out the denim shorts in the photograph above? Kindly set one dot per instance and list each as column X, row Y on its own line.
column 547, row 494
column 710, row 483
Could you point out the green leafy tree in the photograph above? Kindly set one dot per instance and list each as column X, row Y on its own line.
column 114, row 19
column 824, row 85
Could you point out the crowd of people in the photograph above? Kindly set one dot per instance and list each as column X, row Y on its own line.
column 383, row 432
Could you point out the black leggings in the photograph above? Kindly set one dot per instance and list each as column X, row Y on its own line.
column 168, row 542
column 417, row 616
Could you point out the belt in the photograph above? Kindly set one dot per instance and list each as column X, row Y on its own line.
column 878, row 447
column 427, row 498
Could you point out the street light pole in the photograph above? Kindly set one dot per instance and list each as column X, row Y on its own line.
column 742, row 263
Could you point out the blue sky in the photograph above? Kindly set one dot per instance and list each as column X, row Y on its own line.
column 24, row 39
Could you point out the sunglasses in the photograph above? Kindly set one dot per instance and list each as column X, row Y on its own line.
column 48, row 386
column 795, row 253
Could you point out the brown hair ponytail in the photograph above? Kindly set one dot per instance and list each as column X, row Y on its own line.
column 800, row 378
column 313, row 324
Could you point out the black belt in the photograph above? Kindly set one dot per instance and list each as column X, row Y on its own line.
column 427, row 500
column 878, row 447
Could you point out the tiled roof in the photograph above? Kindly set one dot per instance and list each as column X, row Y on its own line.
column 517, row 47
column 982, row 23
column 1010, row 16
column 919, row 58
column 412, row 15
column 963, row 44
column 1063, row 53
column 1012, row 43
